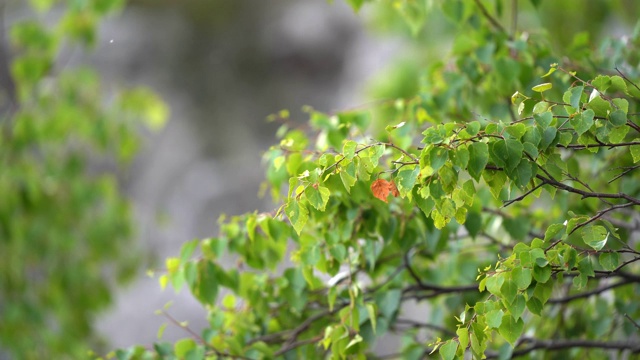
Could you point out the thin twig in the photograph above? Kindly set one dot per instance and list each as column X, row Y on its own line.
column 632, row 321
column 587, row 294
column 562, row 344
column 491, row 19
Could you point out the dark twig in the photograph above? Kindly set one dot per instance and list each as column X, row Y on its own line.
column 491, row 19
column 599, row 214
column 632, row 321
column 626, row 78
column 587, row 194
column 535, row 344
column 587, row 294
column 625, row 172
column 521, row 197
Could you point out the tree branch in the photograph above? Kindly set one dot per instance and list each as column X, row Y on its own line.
column 632, row 321
column 491, row 19
column 535, row 344
column 587, row 294
column 587, row 194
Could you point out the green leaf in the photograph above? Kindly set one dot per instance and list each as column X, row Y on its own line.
column 161, row 331
column 183, row 346
column 552, row 231
column 348, row 175
column 355, row 4
column 509, row 290
column 318, row 196
column 356, row 339
column 371, row 311
column 297, row 214
column 535, row 306
column 541, row 273
column 516, row 130
column 187, row 249
column 461, row 157
column 523, row 173
column 507, row 153
column 473, row 128
column 494, row 318
column 540, row 107
column 599, row 106
column 575, row 96
column 530, row 149
column 552, row 69
column 542, row 87
column 146, row 105
column 349, row 149
column 617, row 134
column 548, row 135
column 448, row 350
column 517, row 308
column 595, row 236
column 511, row 329
column 478, row 159
column 522, row 277
column 463, row 337
column 582, row 122
column 406, row 179
column 621, row 104
column 544, row 119
column 495, row 283
column 437, row 157
column 601, row 82
column 609, row 260
column 618, row 118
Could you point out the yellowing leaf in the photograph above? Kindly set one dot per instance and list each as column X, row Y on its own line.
column 542, row 87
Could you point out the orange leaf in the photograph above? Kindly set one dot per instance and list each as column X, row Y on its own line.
column 393, row 189
column 381, row 189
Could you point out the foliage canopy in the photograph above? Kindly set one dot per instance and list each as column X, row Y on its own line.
column 498, row 185
column 65, row 230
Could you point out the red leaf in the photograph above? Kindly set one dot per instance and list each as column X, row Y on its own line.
column 381, row 189
column 393, row 189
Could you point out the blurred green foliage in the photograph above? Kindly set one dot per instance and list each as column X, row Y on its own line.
column 65, row 229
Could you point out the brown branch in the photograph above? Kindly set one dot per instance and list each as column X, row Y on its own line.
column 587, row 146
column 626, row 78
column 587, row 294
column 521, row 197
column 587, row 194
column 561, row 344
column 632, row 321
column 200, row 339
column 491, row 19
column 599, row 214
column 296, row 344
column 625, row 172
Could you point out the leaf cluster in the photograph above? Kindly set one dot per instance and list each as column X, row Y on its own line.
column 513, row 177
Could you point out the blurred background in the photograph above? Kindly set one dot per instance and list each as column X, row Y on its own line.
column 222, row 66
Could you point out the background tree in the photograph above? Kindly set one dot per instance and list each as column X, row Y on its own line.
column 64, row 228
